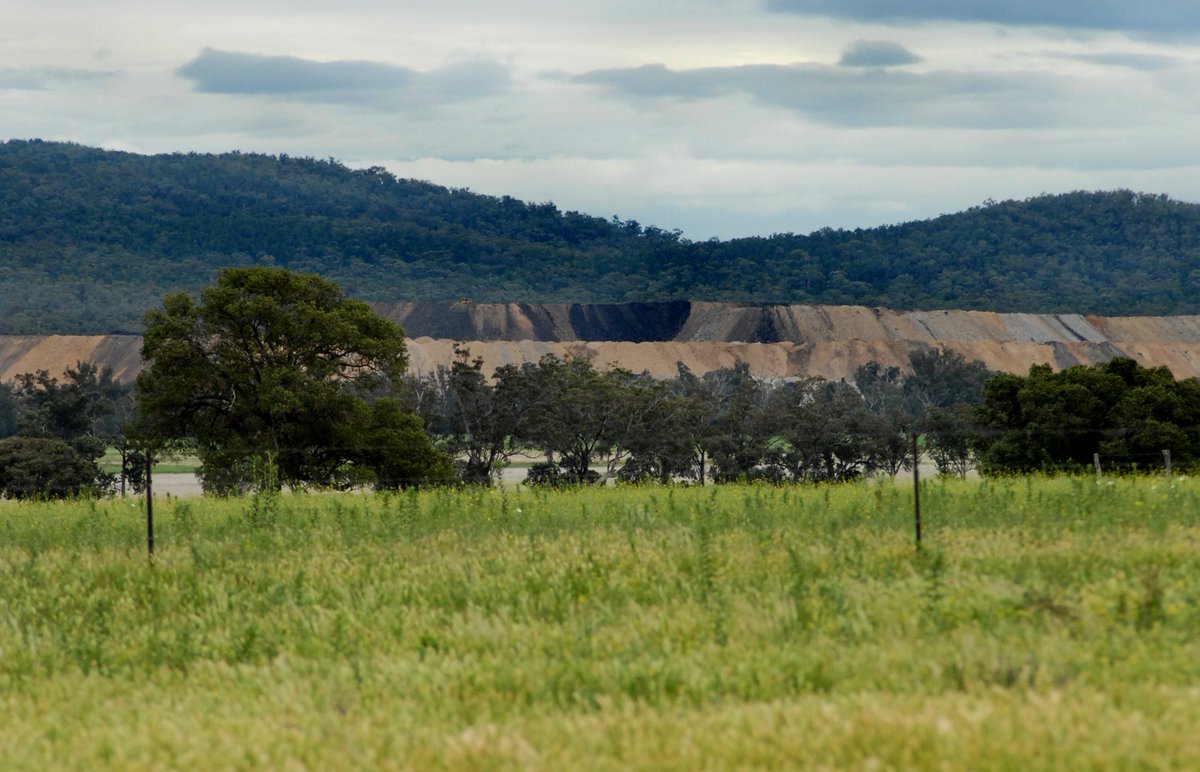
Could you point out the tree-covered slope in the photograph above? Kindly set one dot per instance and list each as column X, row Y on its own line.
column 89, row 239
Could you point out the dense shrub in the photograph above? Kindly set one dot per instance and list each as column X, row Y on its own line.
column 33, row 467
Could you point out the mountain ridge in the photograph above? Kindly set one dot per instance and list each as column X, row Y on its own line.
column 90, row 239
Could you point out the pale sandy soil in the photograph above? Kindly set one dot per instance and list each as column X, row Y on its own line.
column 176, row 484
column 827, row 341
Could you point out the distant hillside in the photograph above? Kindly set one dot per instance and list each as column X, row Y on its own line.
column 89, row 239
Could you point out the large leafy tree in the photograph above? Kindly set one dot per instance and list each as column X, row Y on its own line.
column 739, row 436
column 573, row 412
column 479, row 422
column 662, row 428
column 826, row 429
column 273, row 362
column 83, row 409
column 1052, row 420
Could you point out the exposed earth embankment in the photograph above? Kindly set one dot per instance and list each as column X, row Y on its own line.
column 775, row 341
column 55, row 353
column 729, row 323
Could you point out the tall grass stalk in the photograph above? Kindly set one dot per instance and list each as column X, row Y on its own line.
column 1047, row 621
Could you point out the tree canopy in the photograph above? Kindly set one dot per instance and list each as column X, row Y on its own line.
column 90, row 238
column 1051, row 421
column 269, row 362
column 44, row 467
column 60, row 427
column 723, row 426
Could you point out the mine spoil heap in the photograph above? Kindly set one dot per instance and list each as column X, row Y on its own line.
column 776, row 341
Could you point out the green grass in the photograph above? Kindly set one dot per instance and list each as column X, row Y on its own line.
column 1046, row 624
column 111, row 462
column 158, row 468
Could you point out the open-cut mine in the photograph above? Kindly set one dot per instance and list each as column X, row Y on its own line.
column 775, row 341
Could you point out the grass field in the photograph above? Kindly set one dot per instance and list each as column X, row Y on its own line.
column 111, row 462
column 1047, row 624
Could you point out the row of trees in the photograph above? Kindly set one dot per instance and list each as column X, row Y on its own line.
column 270, row 364
column 724, row 425
column 1048, row 420
column 54, row 431
column 279, row 370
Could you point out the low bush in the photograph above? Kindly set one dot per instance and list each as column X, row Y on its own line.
column 34, row 467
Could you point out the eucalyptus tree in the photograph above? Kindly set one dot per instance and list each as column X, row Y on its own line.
column 280, row 366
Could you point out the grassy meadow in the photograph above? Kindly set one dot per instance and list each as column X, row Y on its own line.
column 1047, row 624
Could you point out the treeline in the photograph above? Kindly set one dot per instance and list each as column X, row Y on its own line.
column 54, row 432
column 727, row 426
column 1126, row 414
column 90, row 238
column 724, row 426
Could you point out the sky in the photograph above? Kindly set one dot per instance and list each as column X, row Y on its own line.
column 717, row 118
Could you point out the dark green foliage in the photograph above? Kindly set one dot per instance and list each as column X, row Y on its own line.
column 9, row 406
column 948, row 435
column 575, row 414
column 663, row 430
column 41, row 467
column 551, row 475
column 740, row 435
column 86, row 409
column 481, row 423
column 90, row 238
column 398, row 453
column 1057, row 420
column 941, row 378
column 934, row 400
column 826, row 429
column 279, row 364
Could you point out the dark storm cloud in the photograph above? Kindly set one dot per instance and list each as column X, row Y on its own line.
column 1154, row 17
column 841, row 96
column 225, row 72
column 877, row 53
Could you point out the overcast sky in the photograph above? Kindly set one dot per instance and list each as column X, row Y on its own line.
column 717, row 117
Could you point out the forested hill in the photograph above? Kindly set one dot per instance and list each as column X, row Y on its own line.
column 89, row 239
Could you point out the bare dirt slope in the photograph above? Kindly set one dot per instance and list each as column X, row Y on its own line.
column 791, row 340
column 775, row 341
column 56, row 353
column 637, row 322
column 728, row 323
